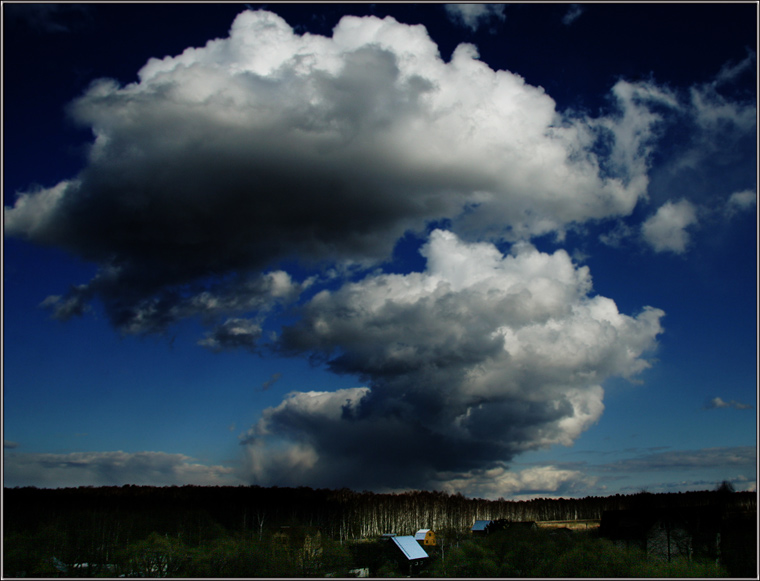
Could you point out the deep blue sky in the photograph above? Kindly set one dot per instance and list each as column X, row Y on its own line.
column 513, row 386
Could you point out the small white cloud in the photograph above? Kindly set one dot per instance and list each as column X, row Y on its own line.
column 666, row 231
column 8, row 444
column 499, row 482
column 232, row 334
column 472, row 16
column 716, row 402
column 572, row 14
column 740, row 201
column 74, row 304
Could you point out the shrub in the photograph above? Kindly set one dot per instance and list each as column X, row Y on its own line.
column 470, row 559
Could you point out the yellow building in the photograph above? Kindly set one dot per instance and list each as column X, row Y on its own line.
column 425, row 537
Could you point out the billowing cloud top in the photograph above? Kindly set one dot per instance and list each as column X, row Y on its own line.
column 269, row 145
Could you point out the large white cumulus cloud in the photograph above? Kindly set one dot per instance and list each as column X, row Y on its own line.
column 222, row 167
column 478, row 358
column 268, row 145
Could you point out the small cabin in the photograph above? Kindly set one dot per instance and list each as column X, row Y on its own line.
column 408, row 553
column 480, row 527
column 425, row 537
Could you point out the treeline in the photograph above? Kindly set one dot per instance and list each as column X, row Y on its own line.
column 194, row 512
column 101, row 525
column 341, row 514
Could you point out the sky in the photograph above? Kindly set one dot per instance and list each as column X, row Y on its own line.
column 503, row 250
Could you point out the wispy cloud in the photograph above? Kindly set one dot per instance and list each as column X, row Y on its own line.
column 48, row 18
column 271, row 381
column 111, row 469
column 572, row 14
column 473, row 16
column 732, row 71
column 717, row 403
column 618, row 235
column 725, row 457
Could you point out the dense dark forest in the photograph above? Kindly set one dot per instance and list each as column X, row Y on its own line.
column 107, row 525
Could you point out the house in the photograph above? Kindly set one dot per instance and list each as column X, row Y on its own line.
column 524, row 525
column 502, row 524
column 408, row 553
column 480, row 527
column 425, row 537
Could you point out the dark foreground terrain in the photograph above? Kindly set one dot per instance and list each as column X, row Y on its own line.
column 251, row 531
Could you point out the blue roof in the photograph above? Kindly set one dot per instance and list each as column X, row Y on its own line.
column 480, row 525
column 410, row 547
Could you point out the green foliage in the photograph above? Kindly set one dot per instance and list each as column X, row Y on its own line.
column 522, row 552
column 156, row 556
column 336, row 559
column 680, row 568
column 370, row 554
column 389, row 569
column 546, row 554
column 591, row 557
column 34, row 553
column 269, row 557
column 220, row 558
column 469, row 559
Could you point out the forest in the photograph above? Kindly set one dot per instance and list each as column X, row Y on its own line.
column 252, row 531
